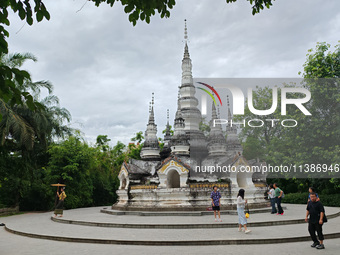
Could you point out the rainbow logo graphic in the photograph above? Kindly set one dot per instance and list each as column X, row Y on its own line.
column 209, row 93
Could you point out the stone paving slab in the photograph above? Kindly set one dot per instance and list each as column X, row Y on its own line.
column 19, row 245
column 40, row 224
column 293, row 212
column 278, row 220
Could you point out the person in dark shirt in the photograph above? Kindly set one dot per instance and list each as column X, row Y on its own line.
column 316, row 212
column 216, row 202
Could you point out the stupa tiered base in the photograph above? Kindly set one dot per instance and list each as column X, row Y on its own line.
column 185, row 199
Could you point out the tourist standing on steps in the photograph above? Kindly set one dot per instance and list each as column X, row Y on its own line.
column 316, row 213
column 271, row 195
column 242, row 220
column 216, row 202
column 278, row 198
column 60, row 206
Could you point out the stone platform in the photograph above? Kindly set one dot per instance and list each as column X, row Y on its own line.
column 90, row 225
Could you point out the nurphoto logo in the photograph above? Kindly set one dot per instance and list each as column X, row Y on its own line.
column 297, row 96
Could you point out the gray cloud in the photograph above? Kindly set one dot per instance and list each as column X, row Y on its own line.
column 104, row 69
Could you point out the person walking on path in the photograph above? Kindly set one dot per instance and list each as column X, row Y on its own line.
column 278, row 198
column 316, row 212
column 242, row 220
column 216, row 202
column 271, row 195
column 59, row 208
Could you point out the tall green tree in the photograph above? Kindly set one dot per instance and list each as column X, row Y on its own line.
column 22, row 124
column 321, row 133
column 316, row 138
column 138, row 137
column 119, row 155
column 25, row 135
column 89, row 172
column 262, row 100
column 70, row 163
column 104, row 176
column 102, row 142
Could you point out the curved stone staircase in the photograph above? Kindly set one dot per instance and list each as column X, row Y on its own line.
column 105, row 226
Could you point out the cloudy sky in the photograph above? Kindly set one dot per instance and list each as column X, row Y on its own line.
column 104, row 70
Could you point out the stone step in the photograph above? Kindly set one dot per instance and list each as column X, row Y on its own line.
column 181, row 213
column 280, row 220
column 205, row 242
column 91, row 217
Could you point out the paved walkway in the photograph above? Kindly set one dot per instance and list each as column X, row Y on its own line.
column 17, row 245
column 41, row 223
column 91, row 214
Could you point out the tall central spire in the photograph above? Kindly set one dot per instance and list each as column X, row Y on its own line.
column 186, row 62
column 188, row 103
column 185, row 32
column 187, row 99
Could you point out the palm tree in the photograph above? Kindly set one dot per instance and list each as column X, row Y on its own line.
column 20, row 123
column 12, row 80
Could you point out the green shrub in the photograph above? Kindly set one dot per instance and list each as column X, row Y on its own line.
column 301, row 198
column 296, row 198
column 330, row 200
column 37, row 197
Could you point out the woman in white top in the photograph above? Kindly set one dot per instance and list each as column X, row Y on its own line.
column 242, row 220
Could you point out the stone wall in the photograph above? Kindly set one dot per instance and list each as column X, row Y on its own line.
column 6, row 211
